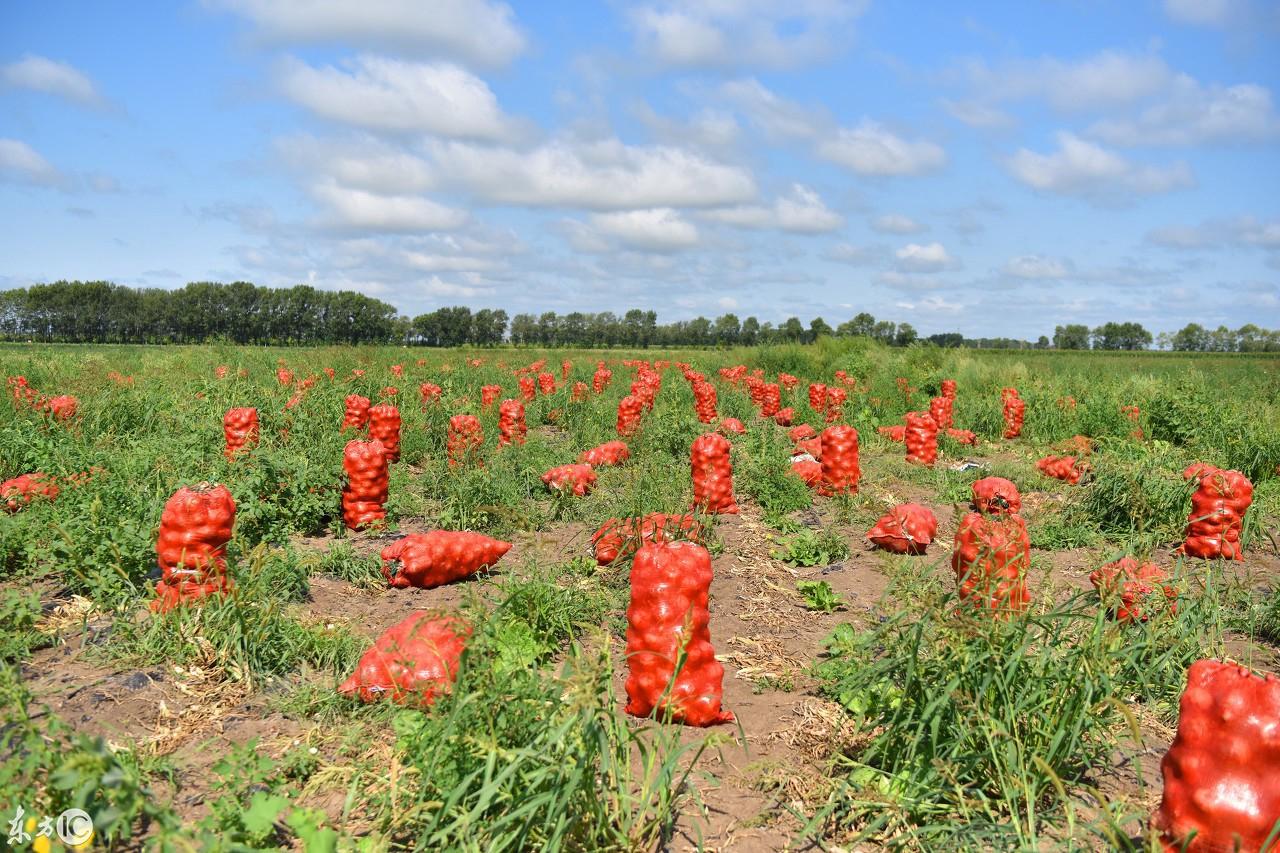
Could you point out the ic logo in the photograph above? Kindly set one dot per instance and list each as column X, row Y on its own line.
column 75, row 828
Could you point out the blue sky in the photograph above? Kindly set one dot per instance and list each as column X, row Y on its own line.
column 993, row 168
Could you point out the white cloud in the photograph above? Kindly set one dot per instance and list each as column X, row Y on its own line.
column 53, row 78
column 854, row 256
column 978, row 114
column 479, row 32
column 728, row 303
column 910, row 281
column 1210, row 13
column 655, row 229
column 1193, row 114
column 896, row 223
column 871, row 149
column 930, row 257
column 363, row 163
column 775, row 116
column 394, row 95
column 20, row 163
column 1106, row 80
column 1080, row 167
column 600, row 175
column 707, row 129
column 1242, row 231
column 358, row 209
column 1037, row 267
column 802, row 211
column 734, row 33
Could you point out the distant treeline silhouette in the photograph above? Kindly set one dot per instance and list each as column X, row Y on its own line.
column 244, row 313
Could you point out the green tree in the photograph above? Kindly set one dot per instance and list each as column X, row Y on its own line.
column 1071, row 336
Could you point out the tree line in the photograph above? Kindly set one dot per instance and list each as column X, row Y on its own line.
column 1191, row 338
column 244, row 313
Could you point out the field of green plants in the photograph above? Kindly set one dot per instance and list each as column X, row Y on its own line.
column 871, row 708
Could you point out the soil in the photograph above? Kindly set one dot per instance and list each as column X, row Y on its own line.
column 772, row 760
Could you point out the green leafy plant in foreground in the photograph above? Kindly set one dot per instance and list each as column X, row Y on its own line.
column 818, row 595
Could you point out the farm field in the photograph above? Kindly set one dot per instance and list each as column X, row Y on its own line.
column 872, row 706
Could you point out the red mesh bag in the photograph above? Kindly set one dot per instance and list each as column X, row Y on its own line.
column 991, row 558
column 808, row 470
column 921, row 438
column 770, row 399
column 566, row 367
column 388, row 393
column 621, row 537
column 840, row 472
column 61, row 408
column 601, row 378
column 897, row 432
column 365, row 492
column 1014, row 410
column 801, row 432
column 240, row 430
column 580, row 391
column 489, row 395
column 963, row 436
column 429, row 392
column 464, row 441
column 384, row 425
column 191, row 549
column 731, row 426
column 427, row 560
column 818, row 397
column 1222, row 771
column 712, row 475
column 784, row 417
column 704, row 401
column 511, row 424
column 1126, row 585
column 949, row 388
column 812, row 446
column 995, row 496
column 940, row 408
column 629, row 409
column 283, row 376
column 905, row 529
column 412, row 662
column 25, row 488
column 357, row 414
column 835, row 404
column 786, row 380
column 397, row 370
column 528, row 388
column 669, row 637
column 221, row 371
column 547, row 383
column 1217, row 513
column 579, row 479
column 1066, row 468
column 609, row 453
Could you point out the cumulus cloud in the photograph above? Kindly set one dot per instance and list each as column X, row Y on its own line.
column 478, row 32
column 1204, row 13
column 709, row 128
column 1037, row 267
column 801, row 211
column 978, row 114
column 363, row 163
column 361, row 210
column 871, row 149
column 719, row 34
column 1193, row 114
column 896, row 223
column 599, row 175
column 393, row 95
column 654, row 230
column 1082, row 168
column 930, row 257
column 40, row 74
